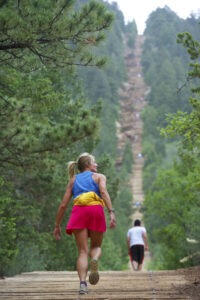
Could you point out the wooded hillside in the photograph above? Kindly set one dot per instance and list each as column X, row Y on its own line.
column 50, row 52
column 62, row 64
column 172, row 207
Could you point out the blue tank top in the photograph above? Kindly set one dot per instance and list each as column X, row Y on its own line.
column 84, row 183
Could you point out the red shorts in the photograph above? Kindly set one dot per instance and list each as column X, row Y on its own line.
column 90, row 217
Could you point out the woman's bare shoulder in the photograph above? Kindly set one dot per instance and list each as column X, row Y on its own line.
column 98, row 176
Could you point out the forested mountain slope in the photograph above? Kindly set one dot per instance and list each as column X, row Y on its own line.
column 171, row 184
column 50, row 55
column 53, row 72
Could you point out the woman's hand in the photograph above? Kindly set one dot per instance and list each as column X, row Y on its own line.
column 112, row 220
column 57, row 233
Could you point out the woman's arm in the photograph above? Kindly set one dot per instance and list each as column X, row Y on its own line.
column 62, row 209
column 106, row 197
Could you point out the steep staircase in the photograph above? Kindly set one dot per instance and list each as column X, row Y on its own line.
column 130, row 126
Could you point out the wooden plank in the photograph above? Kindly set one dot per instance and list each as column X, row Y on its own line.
column 112, row 285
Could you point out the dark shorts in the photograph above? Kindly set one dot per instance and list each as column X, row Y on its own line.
column 137, row 253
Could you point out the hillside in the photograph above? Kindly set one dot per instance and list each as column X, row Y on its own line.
column 173, row 284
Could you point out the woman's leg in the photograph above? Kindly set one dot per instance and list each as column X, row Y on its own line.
column 95, row 244
column 81, row 236
column 95, row 253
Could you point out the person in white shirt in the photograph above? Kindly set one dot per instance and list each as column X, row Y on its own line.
column 137, row 244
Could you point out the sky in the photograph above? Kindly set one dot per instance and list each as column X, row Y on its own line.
column 139, row 10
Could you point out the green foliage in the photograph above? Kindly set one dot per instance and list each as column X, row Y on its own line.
column 131, row 32
column 47, row 120
column 30, row 136
column 165, row 65
column 169, row 207
column 172, row 205
column 8, row 231
column 112, row 255
column 51, row 32
column 127, row 159
column 105, row 83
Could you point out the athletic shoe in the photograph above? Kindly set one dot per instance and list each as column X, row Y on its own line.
column 83, row 289
column 94, row 275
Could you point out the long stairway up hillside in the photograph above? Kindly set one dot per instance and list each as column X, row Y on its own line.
column 130, row 126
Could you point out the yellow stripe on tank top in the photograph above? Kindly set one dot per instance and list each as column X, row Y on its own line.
column 87, row 199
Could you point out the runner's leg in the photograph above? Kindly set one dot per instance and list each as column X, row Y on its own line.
column 95, row 253
column 140, row 257
column 134, row 255
column 135, row 265
column 81, row 236
column 95, row 244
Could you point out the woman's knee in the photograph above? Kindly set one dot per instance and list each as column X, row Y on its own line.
column 83, row 251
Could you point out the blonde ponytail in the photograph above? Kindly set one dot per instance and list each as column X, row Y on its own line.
column 71, row 168
column 81, row 164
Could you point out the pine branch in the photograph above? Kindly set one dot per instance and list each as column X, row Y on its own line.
column 57, row 16
column 13, row 46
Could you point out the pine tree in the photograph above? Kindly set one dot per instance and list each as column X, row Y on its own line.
column 44, row 117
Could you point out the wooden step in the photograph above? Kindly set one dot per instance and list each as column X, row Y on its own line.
column 112, row 285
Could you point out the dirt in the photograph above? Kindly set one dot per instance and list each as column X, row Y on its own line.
column 192, row 287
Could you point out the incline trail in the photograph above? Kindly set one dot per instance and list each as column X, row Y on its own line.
column 130, row 126
column 175, row 284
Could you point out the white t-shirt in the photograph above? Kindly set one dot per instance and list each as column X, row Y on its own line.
column 135, row 235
